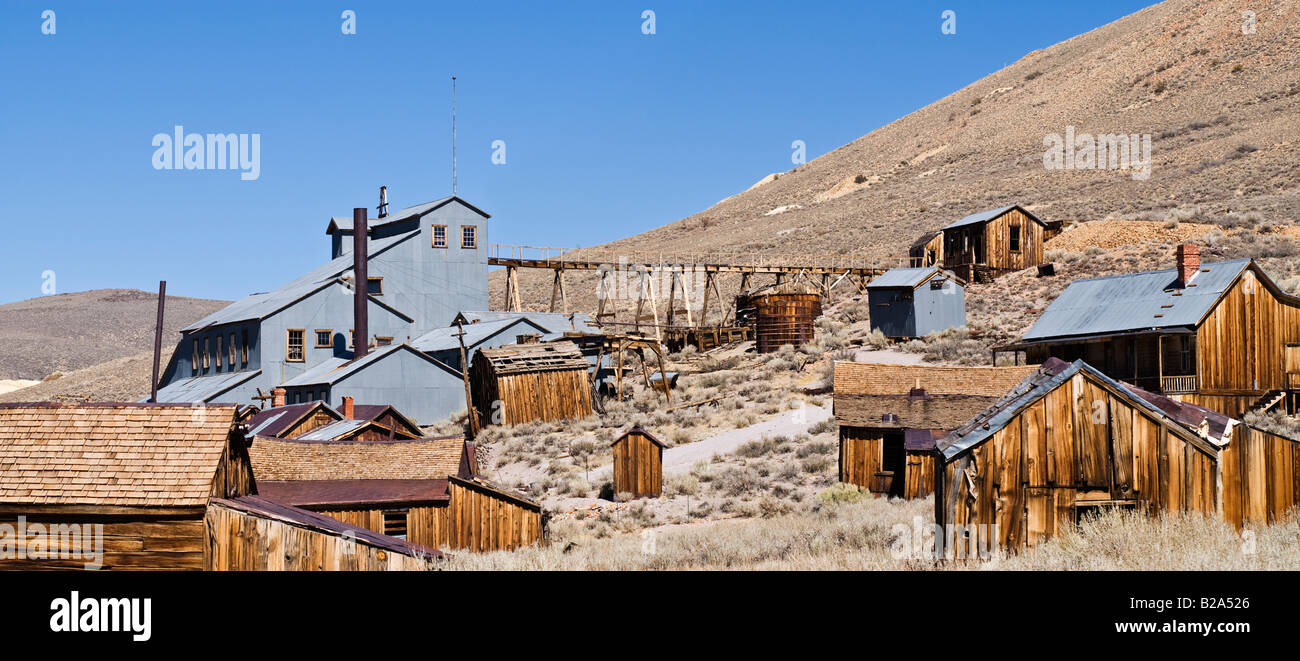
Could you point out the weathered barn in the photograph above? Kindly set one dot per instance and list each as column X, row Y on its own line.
column 890, row 416
column 927, row 250
column 914, row 302
column 638, row 464
column 985, row 245
column 424, row 490
column 154, row 486
column 1070, row 440
column 524, row 382
column 1222, row 335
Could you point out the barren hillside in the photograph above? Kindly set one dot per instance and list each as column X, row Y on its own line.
column 1220, row 108
column 67, row 332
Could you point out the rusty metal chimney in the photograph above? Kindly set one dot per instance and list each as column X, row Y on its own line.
column 360, row 282
column 1189, row 263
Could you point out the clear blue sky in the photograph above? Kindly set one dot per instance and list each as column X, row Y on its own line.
column 608, row 131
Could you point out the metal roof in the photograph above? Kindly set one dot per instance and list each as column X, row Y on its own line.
column 985, row 216
column 344, row 223
column 552, row 322
column 332, row 430
column 1055, row 372
column 203, row 388
column 442, row 339
column 264, row 304
column 911, row 277
column 1137, row 301
column 333, row 370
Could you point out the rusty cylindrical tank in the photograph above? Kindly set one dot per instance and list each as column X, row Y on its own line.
column 784, row 314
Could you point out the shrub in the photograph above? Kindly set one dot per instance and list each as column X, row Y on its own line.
column 842, row 493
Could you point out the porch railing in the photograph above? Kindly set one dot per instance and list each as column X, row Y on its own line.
column 1178, row 385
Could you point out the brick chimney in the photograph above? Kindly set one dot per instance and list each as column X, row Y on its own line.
column 1189, row 263
column 277, row 396
column 349, row 412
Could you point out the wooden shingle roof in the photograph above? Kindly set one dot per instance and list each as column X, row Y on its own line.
column 418, row 459
column 118, row 454
column 538, row 357
column 879, row 379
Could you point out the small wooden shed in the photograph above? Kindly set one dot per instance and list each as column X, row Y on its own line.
column 525, row 382
column 1070, row 440
column 638, row 464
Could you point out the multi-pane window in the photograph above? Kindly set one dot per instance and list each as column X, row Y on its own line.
column 293, row 350
column 469, row 236
column 439, row 236
column 1015, row 238
column 324, row 338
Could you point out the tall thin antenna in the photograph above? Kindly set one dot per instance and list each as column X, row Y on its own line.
column 453, row 134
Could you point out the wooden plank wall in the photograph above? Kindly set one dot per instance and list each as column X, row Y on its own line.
column 544, row 395
column 1261, row 477
column 860, row 456
column 919, row 475
column 1078, row 443
column 132, row 542
column 474, row 519
column 1241, row 344
column 243, row 542
column 997, row 237
column 638, row 466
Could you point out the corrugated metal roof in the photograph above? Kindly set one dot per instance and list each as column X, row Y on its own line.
column 442, row 339
column 344, row 223
column 333, row 430
column 553, row 322
column 203, row 388
column 985, row 216
column 902, row 277
column 1121, row 303
column 262, row 305
column 333, row 370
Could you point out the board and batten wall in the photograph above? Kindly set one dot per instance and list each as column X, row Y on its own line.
column 527, row 396
column 1241, row 345
column 243, row 542
column 638, row 466
column 861, row 463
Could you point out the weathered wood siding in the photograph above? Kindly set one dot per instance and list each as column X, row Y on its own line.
column 1261, row 477
column 861, row 463
column 638, row 466
column 996, row 235
column 919, row 475
column 541, row 395
column 131, row 540
column 1242, row 343
column 242, row 542
column 1076, row 446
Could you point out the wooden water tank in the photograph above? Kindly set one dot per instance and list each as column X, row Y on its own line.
column 784, row 314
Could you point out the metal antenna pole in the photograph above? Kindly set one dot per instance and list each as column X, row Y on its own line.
column 453, row 134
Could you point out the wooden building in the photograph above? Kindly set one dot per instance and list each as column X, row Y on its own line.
column 988, row 244
column 638, row 464
column 1070, row 440
column 914, row 302
column 1221, row 335
column 318, row 421
column 525, row 382
column 891, row 415
column 927, row 250
column 425, row 490
column 160, row 486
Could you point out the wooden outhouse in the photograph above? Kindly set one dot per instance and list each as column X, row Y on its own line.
column 914, row 302
column 425, row 490
column 985, row 245
column 890, row 416
column 1070, row 440
column 638, row 464
column 1221, row 335
column 525, row 382
column 157, row 486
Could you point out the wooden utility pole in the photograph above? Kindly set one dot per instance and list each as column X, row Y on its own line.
column 157, row 340
column 474, row 424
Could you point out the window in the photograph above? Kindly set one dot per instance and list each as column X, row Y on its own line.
column 395, row 523
column 243, row 359
column 937, row 284
column 469, row 236
column 1015, row 238
column 381, row 341
column 194, row 357
column 930, row 258
column 206, row 358
column 375, row 286
column 439, row 236
column 297, row 398
column 1185, row 354
column 324, row 395
column 324, row 338
column 293, row 350
column 220, row 353
column 232, row 352
column 352, row 338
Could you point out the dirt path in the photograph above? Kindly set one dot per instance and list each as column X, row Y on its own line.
column 683, row 457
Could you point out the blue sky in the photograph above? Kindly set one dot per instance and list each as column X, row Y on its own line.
column 608, row 132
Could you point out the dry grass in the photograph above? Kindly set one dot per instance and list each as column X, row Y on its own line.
column 860, row 535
